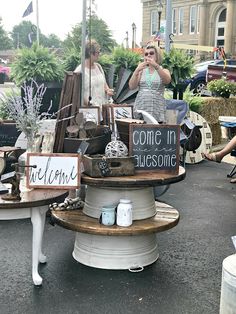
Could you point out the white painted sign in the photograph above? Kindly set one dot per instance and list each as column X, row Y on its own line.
column 53, row 171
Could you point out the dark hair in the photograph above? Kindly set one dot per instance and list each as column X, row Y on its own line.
column 91, row 47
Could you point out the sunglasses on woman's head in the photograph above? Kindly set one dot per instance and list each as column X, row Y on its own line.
column 151, row 53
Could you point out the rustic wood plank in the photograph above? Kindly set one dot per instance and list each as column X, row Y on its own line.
column 166, row 218
column 62, row 123
column 33, row 198
column 138, row 179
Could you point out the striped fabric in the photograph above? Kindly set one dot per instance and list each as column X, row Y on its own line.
column 150, row 97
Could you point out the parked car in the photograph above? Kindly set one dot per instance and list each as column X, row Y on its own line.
column 218, row 71
column 198, row 81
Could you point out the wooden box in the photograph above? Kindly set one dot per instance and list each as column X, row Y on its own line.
column 122, row 166
column 123, row 129
column 97, row 143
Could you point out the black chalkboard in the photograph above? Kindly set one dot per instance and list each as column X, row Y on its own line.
column 155, row 147
column 8, row 134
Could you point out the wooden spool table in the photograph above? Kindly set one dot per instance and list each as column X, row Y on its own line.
column 34, row 205
column 115, row 247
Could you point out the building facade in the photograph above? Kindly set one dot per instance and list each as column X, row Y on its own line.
column 195, row 22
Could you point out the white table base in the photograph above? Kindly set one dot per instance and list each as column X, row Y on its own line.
column 37, row 215
column 115, row 252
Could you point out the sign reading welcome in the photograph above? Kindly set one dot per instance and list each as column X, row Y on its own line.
column 53, row 171
column 155, row 147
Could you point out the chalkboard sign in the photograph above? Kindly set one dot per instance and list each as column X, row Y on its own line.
column 155, row 147
column 8, row 133
column 53, row 171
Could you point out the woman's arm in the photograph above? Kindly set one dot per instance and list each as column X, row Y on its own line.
column 164, row 74
column 135, row 78
column 109, row 91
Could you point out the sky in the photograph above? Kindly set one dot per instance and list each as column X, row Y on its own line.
column 59, row 17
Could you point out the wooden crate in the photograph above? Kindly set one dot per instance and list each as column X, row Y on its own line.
column 123, row 129
column 97, row 143
column 119, row 166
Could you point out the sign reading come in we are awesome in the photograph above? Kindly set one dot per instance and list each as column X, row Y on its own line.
column 155, row 147
column 61, row 171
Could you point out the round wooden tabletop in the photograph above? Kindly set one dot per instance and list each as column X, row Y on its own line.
column 166, row 218
column 138, row 179
column 35, row 197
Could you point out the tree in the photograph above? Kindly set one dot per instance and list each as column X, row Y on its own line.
column 5, row 41
column 96, row 29
column 25, row 33
column 52, row 41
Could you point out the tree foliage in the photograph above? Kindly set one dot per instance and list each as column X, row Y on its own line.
column 25, row 33
column 5, row 41
column 96, row 29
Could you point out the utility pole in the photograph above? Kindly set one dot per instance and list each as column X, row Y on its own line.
column 134, row 35
column 127, row 40
column 159, row 10
column 168, row 24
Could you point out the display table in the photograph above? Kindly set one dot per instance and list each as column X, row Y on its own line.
column 114, row 247
column 34, row 205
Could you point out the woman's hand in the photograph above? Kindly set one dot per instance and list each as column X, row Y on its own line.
column 153, row 63
column 110, row 91
column 140, row 67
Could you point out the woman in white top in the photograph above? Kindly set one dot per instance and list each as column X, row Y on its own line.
column 95, row 83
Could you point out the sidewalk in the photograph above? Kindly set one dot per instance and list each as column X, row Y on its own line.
column 186, row 279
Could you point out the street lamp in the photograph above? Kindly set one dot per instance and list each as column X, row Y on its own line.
column 159, row 10
column 134, row 35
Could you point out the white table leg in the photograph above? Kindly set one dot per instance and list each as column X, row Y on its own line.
column 38, row 220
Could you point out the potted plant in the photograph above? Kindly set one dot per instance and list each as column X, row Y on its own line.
column 222, row 88
column 39, row 64
column 181, row 68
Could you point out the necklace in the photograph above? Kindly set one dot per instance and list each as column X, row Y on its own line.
column 150, row 77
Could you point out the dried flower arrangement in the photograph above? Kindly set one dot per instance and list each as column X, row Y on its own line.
column 26, row 111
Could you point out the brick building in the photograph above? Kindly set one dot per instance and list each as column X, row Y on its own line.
column 196, row 22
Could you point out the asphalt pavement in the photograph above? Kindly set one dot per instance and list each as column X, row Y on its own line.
column 185, row 279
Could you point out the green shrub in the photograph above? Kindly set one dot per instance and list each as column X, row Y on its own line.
column 72, row 59
column 4, row 102
column 125, row 58
column 195, row 102
column 36, row 63
column 222, row 88
column 180, row 66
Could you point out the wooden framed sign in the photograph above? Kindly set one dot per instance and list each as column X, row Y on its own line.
column 60, row 171
column 91, row 113
column 155, row 147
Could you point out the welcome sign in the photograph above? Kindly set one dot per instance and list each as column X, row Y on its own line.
column 61, row 171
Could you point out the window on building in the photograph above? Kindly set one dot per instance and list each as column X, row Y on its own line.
column 221, row 31
column 181, row 20
column 198, row 19
column 174, row 21
column 153, row 22
column 193, row 19
column 222, row 17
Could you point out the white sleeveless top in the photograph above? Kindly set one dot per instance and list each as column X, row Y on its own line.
column 97, row 85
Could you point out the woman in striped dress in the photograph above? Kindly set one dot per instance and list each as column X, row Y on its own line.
column 150, row 77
